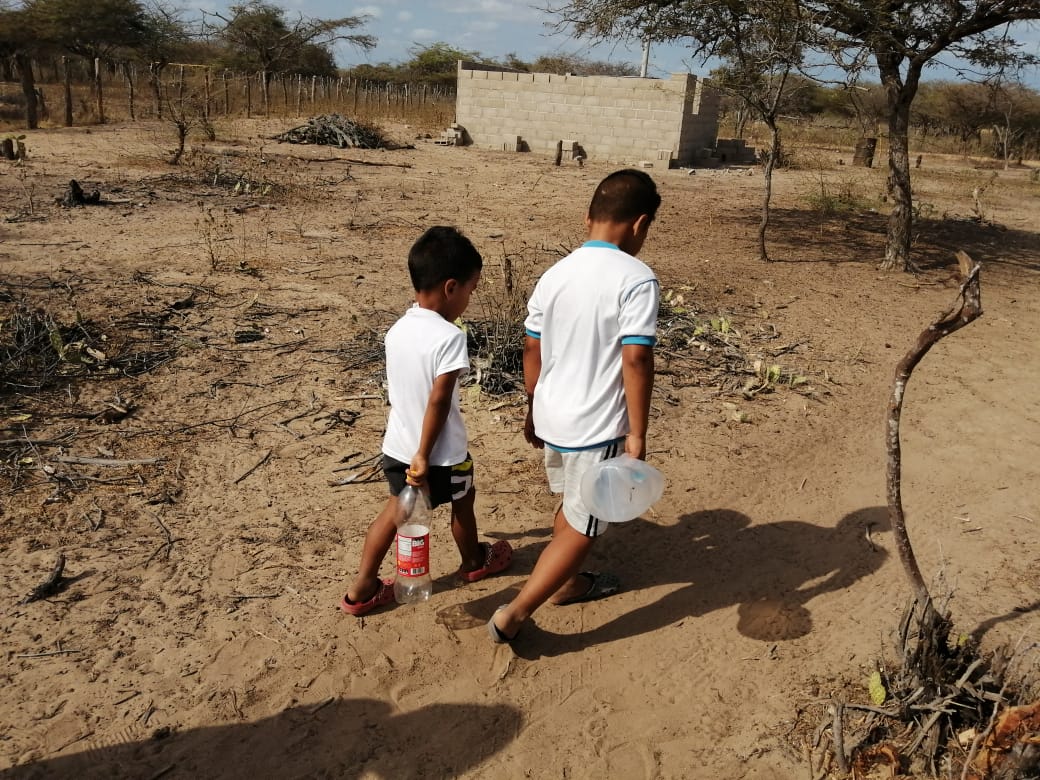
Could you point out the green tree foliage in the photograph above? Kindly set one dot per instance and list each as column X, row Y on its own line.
column 383, row 73
column 580, row 66
column 89, row 28
column 438, row 63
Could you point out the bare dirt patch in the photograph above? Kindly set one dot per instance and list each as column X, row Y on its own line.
column 218, row 377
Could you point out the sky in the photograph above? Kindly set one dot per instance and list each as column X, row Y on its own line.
column 495, row 28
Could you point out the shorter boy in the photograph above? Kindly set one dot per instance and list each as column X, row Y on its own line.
column 425, row 441
column 589, row 371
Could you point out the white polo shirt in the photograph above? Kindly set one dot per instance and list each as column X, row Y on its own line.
column 583, row 309
column 420, row 347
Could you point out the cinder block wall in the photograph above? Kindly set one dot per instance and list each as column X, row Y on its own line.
column 618, row 119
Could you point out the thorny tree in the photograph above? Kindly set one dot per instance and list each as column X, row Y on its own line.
column 260, row 38
column 901, row 37
column 760, row 43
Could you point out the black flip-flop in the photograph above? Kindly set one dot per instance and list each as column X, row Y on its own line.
column 498, row 636
column 600, row 586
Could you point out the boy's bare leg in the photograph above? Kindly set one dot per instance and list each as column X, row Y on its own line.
column 555, row 576
column 464, row 530
column 377, row 541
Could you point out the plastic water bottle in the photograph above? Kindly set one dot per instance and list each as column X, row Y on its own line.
column 621, row 489
column 413, row 582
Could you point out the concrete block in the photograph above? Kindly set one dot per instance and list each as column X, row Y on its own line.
column 511, row 143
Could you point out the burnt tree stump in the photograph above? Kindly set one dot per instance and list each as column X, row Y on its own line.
column 75, row 196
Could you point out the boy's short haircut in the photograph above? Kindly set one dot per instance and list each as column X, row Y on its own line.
column 624, row 196
column 440, row 254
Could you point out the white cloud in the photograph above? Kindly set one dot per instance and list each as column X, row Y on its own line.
column 368, row 10
column 482, row 27
column 497, row 8
column 405, row 16
column 423, row 34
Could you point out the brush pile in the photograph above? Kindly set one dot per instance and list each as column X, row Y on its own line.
column 335, row 130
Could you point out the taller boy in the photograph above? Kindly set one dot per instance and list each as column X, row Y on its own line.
column 589, row 372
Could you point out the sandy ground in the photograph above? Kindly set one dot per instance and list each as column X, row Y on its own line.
column 199, row 635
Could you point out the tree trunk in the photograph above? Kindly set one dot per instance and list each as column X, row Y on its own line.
column 25, row 75
column 969, row 309
column 900, row 221
column 775, row 149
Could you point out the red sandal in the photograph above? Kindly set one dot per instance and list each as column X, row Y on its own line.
column 499, row 556
column 384, row 595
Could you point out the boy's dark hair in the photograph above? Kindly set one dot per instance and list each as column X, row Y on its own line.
column 624, row 196
column 440, row 254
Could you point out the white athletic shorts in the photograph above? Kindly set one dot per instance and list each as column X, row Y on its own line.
column 565, row 470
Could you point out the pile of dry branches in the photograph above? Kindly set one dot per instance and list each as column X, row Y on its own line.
column 36, row 352
column 335, row 130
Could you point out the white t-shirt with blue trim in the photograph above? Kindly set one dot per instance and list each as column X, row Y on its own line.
column 420, row 347
column 583, row 309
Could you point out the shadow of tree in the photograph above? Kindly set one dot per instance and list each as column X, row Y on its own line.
column 860, row 238
column 347, row 738
column 984, row 627
column 771, row 571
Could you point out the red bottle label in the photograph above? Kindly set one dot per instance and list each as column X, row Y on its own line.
column 413, row 554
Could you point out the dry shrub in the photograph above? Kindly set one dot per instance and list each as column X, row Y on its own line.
column 496, row 332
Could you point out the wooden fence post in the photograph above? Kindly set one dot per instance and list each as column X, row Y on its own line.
column 128, row 74
column 205, row 108
column 100, row 93
column 67, row 79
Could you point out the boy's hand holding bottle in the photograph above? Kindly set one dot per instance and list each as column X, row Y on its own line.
column 417, row 470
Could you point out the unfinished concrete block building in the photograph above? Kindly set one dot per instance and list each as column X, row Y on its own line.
column 628, row 120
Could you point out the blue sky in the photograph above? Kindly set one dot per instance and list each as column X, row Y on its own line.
column 495, row 28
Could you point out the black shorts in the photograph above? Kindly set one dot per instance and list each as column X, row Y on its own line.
column 446, row 483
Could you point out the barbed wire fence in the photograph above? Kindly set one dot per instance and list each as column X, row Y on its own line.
column 72, row 92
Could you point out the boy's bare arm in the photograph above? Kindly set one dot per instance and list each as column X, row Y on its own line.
column 637, row 373
column 437, row 407
column 532, row 370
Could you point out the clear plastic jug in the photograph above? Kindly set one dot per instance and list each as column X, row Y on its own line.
column 621, row 489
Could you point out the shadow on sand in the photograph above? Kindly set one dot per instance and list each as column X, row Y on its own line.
column 346, row 738
column 717, row 559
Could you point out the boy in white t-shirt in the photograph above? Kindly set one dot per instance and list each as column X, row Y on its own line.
column 589, row 372
column 425, row 441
